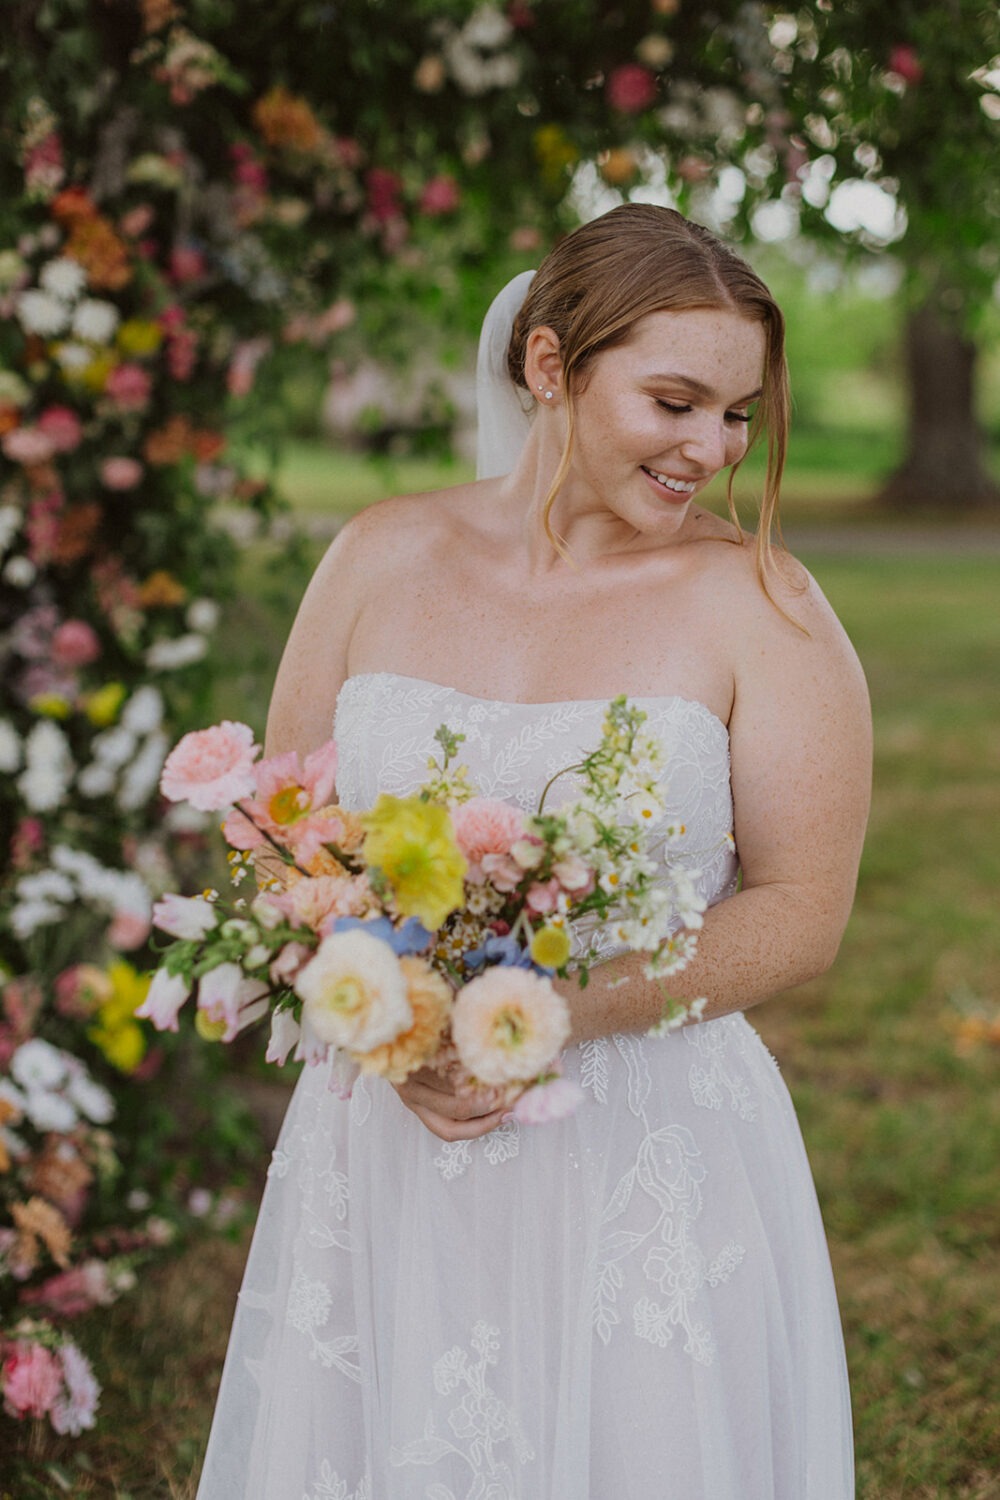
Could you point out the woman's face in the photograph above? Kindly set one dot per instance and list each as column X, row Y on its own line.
column 661, row 414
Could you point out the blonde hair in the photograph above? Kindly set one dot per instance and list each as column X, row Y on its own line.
column 594, row 287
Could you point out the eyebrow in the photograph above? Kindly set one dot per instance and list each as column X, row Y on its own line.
column 698, row 388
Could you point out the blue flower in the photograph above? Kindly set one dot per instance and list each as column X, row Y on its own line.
column 506, row 952
column 410, row 937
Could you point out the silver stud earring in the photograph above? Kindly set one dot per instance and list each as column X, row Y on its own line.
column 548, row 395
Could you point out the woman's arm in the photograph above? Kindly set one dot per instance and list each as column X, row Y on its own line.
column 800, row 737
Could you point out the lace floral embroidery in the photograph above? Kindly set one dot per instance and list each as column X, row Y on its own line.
column 502, row 1144
column 480, row 1424
column 668, row 1175
column 328, row 1485
column 307, row 1309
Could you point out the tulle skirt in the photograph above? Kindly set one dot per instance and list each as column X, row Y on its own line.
column 635, row 1302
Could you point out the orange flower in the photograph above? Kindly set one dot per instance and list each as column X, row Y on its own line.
column 78, row 527
column 38, row 1224
column 72, row 205
column 286, row 121
column 170, row 443
column 60, row 1175
column 161, row 590
column 9, row 419
column 206, row 445
column 430, row 1001
column 103, row 255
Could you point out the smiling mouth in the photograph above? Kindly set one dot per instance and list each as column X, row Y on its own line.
column 675, row 486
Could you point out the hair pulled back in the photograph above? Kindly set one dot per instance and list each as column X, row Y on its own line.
column 594, row 287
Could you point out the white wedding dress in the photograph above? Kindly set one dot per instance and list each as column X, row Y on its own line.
column 633, row 1304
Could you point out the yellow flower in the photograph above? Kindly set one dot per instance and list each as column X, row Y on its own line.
column 95, row 374
column 117, row 1033
column 413, row 844
column 207, row 1029
column 550, row 946
column 50, row 705
column 138, row 338
column 102, row 707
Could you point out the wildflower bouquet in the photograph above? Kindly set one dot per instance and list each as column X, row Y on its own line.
column 427, row 930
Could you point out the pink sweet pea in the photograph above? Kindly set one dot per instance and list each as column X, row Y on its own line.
column 211, row 768
column 72, row 1292
column 31, row 1378
column 166, row 995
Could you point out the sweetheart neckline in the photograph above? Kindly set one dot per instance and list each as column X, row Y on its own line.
column 444, row 687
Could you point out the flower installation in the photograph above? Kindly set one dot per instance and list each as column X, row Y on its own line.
column 427, row 930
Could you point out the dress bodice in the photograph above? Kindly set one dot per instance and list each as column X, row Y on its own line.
column 385, row 725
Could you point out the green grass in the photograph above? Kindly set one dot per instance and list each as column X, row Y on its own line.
column 902, row 1129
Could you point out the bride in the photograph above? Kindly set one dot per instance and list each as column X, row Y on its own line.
column 636, row 1301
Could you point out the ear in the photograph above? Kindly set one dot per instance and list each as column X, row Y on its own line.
column 543, row 369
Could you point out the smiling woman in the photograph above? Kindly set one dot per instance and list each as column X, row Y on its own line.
column 637, row 1300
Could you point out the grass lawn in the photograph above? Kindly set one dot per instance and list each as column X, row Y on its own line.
column 902, row 1128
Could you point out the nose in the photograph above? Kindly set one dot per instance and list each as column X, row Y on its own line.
column 707, row 442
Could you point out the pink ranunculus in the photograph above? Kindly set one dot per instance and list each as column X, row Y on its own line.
column 28, row 446
column 211, row 768
column 62, row 427
column 31, row 1377
column 439, row 196
column 502, row 872
column 75, row 644
column 485, row 825
column 630, row 88
column 542, row 897
column 549, row 1101
column 163, row 1002
column 225, row 994
column 75, row 1410
column 129, row 387
column 905, row 61
column 128, row 930
column 121, row 474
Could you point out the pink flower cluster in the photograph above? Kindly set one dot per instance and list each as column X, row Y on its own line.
column 37, row 1381
column 494, row 839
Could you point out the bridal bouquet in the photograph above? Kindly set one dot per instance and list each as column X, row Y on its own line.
column 425, row 931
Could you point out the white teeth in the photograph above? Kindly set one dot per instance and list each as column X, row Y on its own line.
column 677, row 485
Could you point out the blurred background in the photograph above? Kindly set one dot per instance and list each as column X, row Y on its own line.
column 244, row 255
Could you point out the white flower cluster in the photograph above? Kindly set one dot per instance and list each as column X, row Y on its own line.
column 51, row 1090
column 41, row 898
column 48, row 769
column 476, row 54
column 56, row 308
column 130, row 755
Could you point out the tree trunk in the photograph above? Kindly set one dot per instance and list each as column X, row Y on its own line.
column 944, row 467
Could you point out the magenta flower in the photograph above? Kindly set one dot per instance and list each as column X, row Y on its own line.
column 129, row 387
column 631, row 89
column 904, row 61
column 211, row 768
column 31, row 1378
column 439, row 196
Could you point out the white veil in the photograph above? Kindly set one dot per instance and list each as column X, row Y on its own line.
column 503, row 411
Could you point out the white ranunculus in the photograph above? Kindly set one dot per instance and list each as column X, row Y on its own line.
column 144, row 710
column 63, row 277
column 10, row 748
column 27, row 916
column 96, row 780
column 41, row 313
column 45, row 885
column 72, row 357
column 93, row 1101
column 49, row 767
column 354, row 992
column 95, row 321
column 202, row 615
column 114, row 747
column 168, row 656
column 142, row 777
column 49, row 1111
column 38, row 1065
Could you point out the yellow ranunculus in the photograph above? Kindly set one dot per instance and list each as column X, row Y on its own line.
column 413, row 844
column 123, row 1046
column 50, row 705
column 102, row 707
column 116, row 1031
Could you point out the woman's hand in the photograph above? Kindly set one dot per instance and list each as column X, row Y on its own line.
column 449, row 1114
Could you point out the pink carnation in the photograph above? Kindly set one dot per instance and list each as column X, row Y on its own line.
column 549, row 1101
column 485, row 825
column 211, row 768
column 31, row 1378
column 121, row 474
column 129, row 387
column 631, row 89
column 75, row 644
column 28, row 446
column 509, row 1025
column 62, row 427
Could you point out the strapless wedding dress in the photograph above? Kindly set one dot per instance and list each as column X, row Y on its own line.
column 633, row 1304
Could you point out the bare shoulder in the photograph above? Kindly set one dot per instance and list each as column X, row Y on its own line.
column 392, row 528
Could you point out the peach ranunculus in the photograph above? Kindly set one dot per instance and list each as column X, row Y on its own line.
column 509, row 1025
column 311, row 901
column 290, row 803
column 485, row 825
column 211, row 768
column 430, row 1000
column 354, row 992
